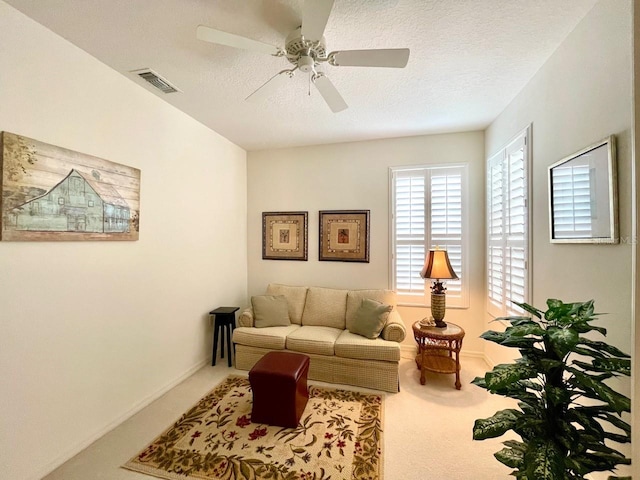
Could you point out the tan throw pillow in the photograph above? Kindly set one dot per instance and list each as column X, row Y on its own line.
column 270, row 311
column 370, row 318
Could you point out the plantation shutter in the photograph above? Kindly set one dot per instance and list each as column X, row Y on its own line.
column 507, row 229
column 409, row 234
column 427, row 213
column 446, row 224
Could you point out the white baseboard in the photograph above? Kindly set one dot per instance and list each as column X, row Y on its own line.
column 78, row 447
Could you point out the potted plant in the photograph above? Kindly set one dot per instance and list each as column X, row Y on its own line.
column 565, row 408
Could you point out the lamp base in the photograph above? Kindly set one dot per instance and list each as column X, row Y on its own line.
column 438, row 309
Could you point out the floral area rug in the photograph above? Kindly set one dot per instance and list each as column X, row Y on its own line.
column 339, row 437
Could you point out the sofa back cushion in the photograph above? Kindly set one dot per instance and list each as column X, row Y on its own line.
column 270, row 311
column 355, row 297
column 325, row 307
column 296, row 297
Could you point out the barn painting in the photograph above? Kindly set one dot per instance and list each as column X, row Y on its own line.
column 51, row 193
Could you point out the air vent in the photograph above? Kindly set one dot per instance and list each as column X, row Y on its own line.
column 156, row 80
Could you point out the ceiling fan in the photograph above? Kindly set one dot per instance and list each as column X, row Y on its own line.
column 305, row 48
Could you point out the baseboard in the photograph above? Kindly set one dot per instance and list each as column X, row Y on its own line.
column 78, row 447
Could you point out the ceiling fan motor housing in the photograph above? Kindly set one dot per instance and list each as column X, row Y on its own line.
column 298, row 48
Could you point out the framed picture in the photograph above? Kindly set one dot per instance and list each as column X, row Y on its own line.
column 284, row 235
column 583, row 196
column 51, row 193
column 344, row 236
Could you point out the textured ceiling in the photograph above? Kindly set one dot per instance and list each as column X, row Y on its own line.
column 469, row 58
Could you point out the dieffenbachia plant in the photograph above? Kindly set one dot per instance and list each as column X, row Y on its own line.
column 565, row 409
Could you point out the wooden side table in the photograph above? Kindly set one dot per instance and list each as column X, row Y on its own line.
column 225, row 319
column 438, row 349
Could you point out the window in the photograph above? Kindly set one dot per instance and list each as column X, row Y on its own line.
column 508, row 227
column 428, row 211
column 60, row 200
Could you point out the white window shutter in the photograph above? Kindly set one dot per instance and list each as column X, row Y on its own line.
column 428, row 212
column 508, row 228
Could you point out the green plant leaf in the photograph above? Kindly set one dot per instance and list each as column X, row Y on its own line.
column 510, row 457
column 562, row 340
column 588, row 352
column 518, row 321
column 615, row 400
column 557, row 395
column 600, row 462
column 549, row 364
column 531, row 309
column 519, row 342
column 613, row 420
column 544, row 460
column 479, row 381
column 604, row 347
column 615, row 365
column 525, row 329
column 496, row 425
column 505, row 374
column 493, row 336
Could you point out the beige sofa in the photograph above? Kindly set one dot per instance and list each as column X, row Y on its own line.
column 320, row 318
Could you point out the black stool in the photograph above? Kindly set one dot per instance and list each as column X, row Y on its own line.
column 225, row 319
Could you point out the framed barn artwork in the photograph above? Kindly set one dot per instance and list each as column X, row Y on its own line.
column 284, row 236
column 344, row 236
column 51, row 193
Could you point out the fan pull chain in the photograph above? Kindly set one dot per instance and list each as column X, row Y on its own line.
column 309, row 85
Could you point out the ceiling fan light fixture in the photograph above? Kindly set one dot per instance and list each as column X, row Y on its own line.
column 306, row 63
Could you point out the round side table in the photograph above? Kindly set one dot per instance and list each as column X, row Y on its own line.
column 438, row 349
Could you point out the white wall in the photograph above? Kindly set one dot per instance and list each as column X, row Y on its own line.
column 581, row 95
column 90, row 331
column 355, row 176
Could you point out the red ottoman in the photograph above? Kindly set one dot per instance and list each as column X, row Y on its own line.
column 279, row 384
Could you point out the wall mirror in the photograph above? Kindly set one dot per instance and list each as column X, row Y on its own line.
column 583, row 196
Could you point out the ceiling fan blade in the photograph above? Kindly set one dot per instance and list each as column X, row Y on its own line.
column 270, row 86
column 212, row 35
column 388, row 57
column 329, row 93
column 315, row 14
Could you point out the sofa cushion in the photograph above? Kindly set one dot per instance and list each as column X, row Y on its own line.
column 270, row 311
column 370, row 318
column 350, row 345
column 325, row 307
column 273, row 338
column 313, row 339
column 354, row 300
column 296, row 297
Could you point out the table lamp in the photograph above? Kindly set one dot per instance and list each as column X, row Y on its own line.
column 437, row 267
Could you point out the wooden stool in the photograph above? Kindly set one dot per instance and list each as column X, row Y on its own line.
column 279, row 384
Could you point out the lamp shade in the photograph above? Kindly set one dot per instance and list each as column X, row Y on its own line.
column 437, row 266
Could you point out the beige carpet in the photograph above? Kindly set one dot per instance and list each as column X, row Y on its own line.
column 339, row 437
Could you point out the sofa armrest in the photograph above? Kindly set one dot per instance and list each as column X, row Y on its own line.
column 246, row 318
column 394, row 330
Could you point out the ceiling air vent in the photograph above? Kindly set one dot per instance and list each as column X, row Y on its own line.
column 156, row 80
